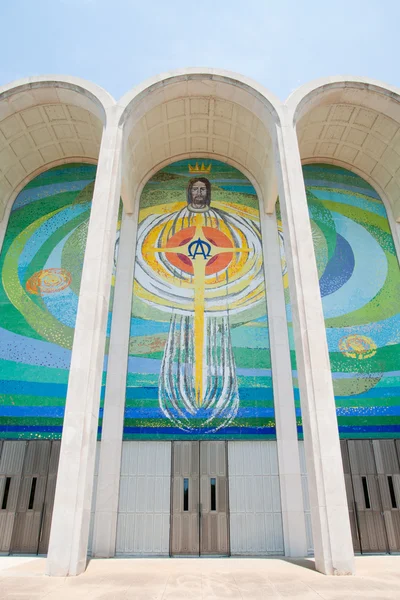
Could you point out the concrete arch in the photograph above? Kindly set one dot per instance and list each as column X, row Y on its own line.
column 394, row 227
column 46, row 121
column 353, row 121
column 199, row 112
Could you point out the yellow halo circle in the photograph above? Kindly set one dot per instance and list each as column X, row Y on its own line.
column 357, row 346
column 48, row 281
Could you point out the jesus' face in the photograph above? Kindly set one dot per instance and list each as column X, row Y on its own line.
column 198, row 195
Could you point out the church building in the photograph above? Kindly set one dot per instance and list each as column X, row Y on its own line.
column 199, row 320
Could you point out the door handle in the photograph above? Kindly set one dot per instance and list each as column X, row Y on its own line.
column 200, row 507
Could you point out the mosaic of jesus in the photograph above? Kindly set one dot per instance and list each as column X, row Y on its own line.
column 199, row 350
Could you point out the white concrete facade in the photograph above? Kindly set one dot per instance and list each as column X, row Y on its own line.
column 212, row 114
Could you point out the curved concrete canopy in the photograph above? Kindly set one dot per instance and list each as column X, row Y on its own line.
column 350, row 121
column 198, row 112
column 46, row 121
column 353, row 122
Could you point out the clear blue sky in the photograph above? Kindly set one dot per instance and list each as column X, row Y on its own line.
column 119, row 43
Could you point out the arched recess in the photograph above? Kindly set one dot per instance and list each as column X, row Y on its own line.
column 195, row 114
column 199, row 113
column 45, row 122
column 201, row 155
column 394, row 226
column 353, row 123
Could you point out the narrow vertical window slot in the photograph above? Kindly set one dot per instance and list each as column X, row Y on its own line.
column 32, row 494
column 6, row 492
column 392, row 492
column 213, row 485
column 366, row 493
column 186, row 494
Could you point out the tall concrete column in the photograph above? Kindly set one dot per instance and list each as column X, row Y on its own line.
column 294, row 528
column 67, row 553
column 105, row 525
column 329, row 513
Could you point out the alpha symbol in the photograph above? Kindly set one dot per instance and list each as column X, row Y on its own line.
column 199, row 247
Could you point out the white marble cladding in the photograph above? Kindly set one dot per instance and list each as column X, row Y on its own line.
column 352, row 122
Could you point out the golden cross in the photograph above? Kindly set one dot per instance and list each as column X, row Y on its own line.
column 199, row 268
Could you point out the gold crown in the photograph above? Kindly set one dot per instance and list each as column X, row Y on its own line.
column 203, row 170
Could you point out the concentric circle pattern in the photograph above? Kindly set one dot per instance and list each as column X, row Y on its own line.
column 360, row 288
column 41, row 266
column 48, row 281
column 357, row 346
column 165, row 279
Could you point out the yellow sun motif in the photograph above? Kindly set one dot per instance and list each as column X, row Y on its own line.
column 48, row 281
column 357, row 346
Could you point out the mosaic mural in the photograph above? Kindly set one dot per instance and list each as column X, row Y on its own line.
column 359, row 279
column 199, row 360
column 198, row 276
column 41, row 266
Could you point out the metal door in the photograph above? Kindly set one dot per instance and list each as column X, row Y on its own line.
column 213, row 511
column 144, row 499
column 255, row 500
column 388, row 474
column 11, row 463
column 185, row 508
column 367, row 501
column 31, row 499
column 199, row 507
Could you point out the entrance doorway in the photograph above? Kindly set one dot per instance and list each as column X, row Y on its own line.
column 372, row 475
column 28, row 474
column 199, row 499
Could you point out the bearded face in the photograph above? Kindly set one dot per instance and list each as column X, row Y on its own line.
column 199, row 195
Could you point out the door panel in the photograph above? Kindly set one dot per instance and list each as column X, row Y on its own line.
column 255, row 504
column 199, row 499
column 213, row 498
column 31, row 498
column 387, row 466
column 367, row 500
column 185, row 498
column 11, row 464
column 144, row 499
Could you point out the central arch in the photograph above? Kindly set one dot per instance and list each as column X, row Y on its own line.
column 202, row 112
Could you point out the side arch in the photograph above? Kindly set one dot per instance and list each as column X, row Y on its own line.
column 355, row 121
column 46, row 121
